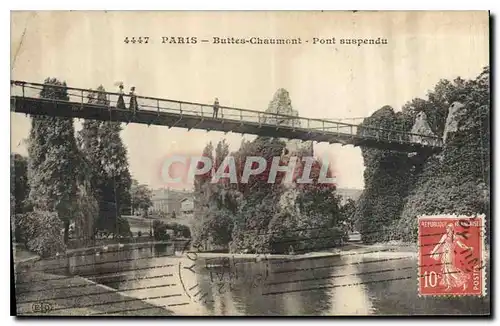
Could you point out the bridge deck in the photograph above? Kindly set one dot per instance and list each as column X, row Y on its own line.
column 154, row 111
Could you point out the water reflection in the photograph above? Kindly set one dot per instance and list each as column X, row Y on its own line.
column 349, row 295
column 377, row 283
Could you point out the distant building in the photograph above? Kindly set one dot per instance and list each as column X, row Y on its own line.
column 187, row 208
column 168, row 201
column 349, row 193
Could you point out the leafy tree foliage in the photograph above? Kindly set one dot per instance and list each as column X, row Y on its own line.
column 41, row 231
column 53, row 159
column 348, row 209
column 386, row 181
column 260, row 199
column 179, row 229
column 261, row 216
column 285, row 233
column 103, row 148
column 86, row 211
column 19, row 181
column 458, row 180
column 398, row 187
column 251, row 226
column 160, row 231
column 140, row 197
column 214, row 203
column 85, row 180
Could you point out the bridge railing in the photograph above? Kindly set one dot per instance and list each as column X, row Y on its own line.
column 79, row 96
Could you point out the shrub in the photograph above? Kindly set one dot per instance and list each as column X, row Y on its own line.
column 41, row 231
column 339, row 236
column 139, row 234
column 160, row 231
column 179, row 229
column 123, row 227
column 184, row 231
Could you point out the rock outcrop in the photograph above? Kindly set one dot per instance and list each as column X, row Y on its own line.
column 281, row 105
column 455, row 112
column 423, row 129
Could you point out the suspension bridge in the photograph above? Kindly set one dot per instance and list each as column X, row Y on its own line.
column 25, row 98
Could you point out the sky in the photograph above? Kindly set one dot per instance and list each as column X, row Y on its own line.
column 86, row 49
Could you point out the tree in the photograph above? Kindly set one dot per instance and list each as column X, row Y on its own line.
column 140, row 197
column 398, row 187
column 53, row 158
column 348, row 209
column 179, row 229
column 88, row 143
column 214, row 203
column 202, row 193
column 457, row 181
column 18, row 191
column 184, row 231
column 387, row 178
column 257, row 199
column 105, row 152
column 160, row 231
column 19, row 181
column 86, row 206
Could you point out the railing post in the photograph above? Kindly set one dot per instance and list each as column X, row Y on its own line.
column 350, row 129
column 180, row 107
column 158, row 105
column 201, row 108
column 82, row 100
column 241, row 116
column 323, row 125
column 22, row 85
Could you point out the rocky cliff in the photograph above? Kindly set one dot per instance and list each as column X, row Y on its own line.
column 454, row 181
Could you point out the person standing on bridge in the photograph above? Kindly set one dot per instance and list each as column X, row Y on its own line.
column 133, row 99
column 120, row 103
column 216, row 107
column 91, row 97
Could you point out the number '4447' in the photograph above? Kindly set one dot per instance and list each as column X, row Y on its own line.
column 134, row 40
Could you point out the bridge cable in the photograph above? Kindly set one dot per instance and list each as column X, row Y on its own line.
column 21, row 41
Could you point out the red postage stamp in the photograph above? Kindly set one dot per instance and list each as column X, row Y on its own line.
column 451, row 255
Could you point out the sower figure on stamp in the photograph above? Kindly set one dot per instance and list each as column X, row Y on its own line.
column 452, row 276
column 120, row 104
column 216, row 108
column 133, row 100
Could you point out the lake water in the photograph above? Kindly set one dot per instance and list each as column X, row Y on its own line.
column 381, row 283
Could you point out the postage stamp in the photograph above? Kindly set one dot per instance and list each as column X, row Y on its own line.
column 451, row 255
